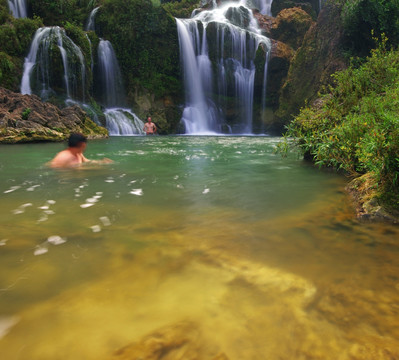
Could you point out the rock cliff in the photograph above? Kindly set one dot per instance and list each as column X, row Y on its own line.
column 25, row 118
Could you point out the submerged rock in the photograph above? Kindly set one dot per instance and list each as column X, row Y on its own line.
column 26, row 118
column 180, row 341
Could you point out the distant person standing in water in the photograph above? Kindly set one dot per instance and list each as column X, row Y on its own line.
column 149, row 127
column 73, row 155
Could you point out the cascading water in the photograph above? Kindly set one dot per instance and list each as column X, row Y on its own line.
column 264, row 6
column 235, row 41
column 90, row 25
column 38, row 66
column 119, row 120
column 18, row 8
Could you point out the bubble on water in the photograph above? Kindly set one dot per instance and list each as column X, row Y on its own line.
column 137, row 192
column 3, row 242
column 95, row 228
column 84, row 206
column 11, row 189
column 206, row 191
column 105, row 220
column 56, row 240
column 40, row 250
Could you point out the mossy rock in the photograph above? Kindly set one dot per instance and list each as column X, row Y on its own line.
column 290, row 26
column 310, row 6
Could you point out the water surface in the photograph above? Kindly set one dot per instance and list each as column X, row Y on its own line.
column 215, row 245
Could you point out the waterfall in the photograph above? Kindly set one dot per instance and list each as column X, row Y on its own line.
column 233, row 52
column 40, row 60
column 264, row 6
column 18, row 8
column 90, row 25
column 110, row 75
column 119, row 121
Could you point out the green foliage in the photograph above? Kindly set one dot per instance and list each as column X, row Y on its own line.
column 361, row 17
column 145, row 40
column 57, row 12
column 15, row 38
column 25, row 113
column 180, row 9
column 356, row 128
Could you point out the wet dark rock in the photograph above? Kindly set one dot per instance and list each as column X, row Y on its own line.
column 26, row 118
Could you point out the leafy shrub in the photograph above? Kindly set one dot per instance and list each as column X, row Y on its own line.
column 145, row 40
column 361, row 17
column 25, row 113
column 356, row 128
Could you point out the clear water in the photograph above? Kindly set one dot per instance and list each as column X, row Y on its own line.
column 259, row 256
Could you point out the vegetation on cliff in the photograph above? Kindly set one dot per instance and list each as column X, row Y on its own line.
column 15, row 39
column 355, row 126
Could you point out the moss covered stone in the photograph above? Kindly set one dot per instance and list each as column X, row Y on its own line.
column 320, row 55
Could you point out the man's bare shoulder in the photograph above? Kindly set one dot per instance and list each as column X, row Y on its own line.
column 63, row 159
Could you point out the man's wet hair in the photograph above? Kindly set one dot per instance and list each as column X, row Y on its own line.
column 75, row 139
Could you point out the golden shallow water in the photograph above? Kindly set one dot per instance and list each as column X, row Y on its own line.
column 191, row 249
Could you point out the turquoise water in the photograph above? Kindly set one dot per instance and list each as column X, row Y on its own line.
column 258, row 255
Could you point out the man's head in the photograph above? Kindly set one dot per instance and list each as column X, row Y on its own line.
column 77, row 140
column 149, row 118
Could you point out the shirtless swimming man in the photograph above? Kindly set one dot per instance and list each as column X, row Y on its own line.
column 73, row 155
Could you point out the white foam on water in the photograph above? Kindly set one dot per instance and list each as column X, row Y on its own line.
column 95, row 228
column 45, row 207
column 43, row 218
column 49, row 212
column 56, row 240
column 11, row 189
column 206, row 191
column 137, row 192
column 51, row 202
column 2, row 243
column 84, row 206
column 91, row 200
column 105, row 220
column 32, row 188
column 109, row 180
column 40, row 250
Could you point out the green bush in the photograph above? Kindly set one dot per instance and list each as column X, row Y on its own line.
column 145, row 40
column 361, row 17
column 356, row 128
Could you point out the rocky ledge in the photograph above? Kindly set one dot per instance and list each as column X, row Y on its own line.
column 367, row 202
column 26, row 118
